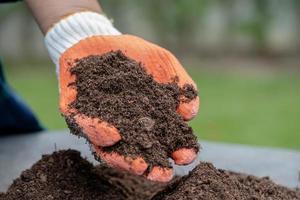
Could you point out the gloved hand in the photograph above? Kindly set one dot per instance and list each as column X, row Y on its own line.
column 87, row 33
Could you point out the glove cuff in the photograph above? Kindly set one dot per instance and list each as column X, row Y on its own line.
column 74, row 28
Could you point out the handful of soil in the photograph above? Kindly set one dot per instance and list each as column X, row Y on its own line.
column 117, row 89
column 66, row 175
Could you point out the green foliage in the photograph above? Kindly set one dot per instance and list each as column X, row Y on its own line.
column 174, row 22
column 8, row 8
column 259, row 109
column 256, row 26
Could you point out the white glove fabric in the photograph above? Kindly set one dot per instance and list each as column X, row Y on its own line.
column 70, row 30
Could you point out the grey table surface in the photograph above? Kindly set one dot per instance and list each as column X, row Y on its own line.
column 283, row 166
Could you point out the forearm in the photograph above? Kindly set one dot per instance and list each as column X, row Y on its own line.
column 48, row 12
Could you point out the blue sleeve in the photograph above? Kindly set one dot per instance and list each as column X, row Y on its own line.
column 8, row 1
column 15, row 115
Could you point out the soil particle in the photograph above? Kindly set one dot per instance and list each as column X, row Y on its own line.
column 65, row 175
column 188, row 93
column 117, row 89
column 206, row 182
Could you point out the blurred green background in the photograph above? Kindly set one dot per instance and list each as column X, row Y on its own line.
column 244, row 56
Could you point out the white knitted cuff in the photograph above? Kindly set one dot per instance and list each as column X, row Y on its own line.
column 74, row 28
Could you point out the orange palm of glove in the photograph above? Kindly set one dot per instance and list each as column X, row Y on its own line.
column 157, row 61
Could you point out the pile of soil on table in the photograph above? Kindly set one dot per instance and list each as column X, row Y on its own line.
column 206, row 182
column 117, row 89
column 66, row 175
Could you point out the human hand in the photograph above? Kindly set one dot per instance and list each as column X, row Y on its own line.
column 158, row 62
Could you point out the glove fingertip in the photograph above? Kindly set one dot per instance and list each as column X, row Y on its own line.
column 160, row 174
column 189, row 110
column 184, row 156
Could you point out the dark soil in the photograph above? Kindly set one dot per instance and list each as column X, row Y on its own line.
column 65, row 175
column 206, row 182
column 117, row 89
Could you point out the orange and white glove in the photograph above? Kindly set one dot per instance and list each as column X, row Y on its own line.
column 88, row 33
